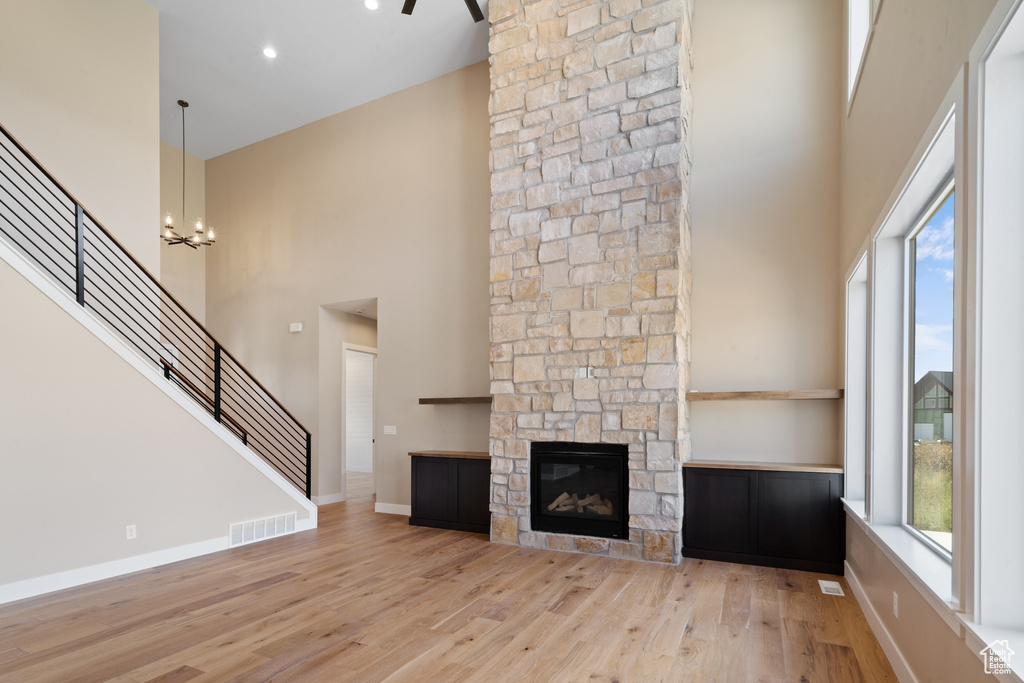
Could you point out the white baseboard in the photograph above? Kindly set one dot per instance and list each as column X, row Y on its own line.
column 29, row 588
column 392, row 509
column 892, row 652
column 327, row 500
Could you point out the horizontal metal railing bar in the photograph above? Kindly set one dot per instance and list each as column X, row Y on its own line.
column 259, row 419
column 285, row 468
column 41, row 250
column 260, row 385
column 198, row 392
column 91, row 305
column 49, row 244
column 240, row 382
column 60, row 279
column 60, row 238
column 65, row 210
column 148, row 310
column 269, row 417
column 157, row 302
column 268, row 454
column 57, row 214
column 266, row 420
column 255, row 425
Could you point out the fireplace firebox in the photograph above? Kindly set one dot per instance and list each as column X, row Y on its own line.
column 579, row 488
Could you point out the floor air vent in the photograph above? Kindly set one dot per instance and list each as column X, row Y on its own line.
column 831, row 587
column 260, row 529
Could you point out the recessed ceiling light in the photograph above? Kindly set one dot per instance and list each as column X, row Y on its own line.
column 269, row 52
column 371, row 4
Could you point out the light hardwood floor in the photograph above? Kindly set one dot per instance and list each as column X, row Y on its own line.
column 359, row 487
column 366, row 597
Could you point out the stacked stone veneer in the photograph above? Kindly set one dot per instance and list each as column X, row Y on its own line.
column 590, row 110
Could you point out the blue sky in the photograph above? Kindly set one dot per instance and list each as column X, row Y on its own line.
column 933, row 312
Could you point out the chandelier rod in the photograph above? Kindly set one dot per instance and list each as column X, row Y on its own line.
column 183, row 104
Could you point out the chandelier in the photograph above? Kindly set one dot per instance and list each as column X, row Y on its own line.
column 200, row 237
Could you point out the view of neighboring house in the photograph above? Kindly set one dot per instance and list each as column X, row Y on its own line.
column 933, row 406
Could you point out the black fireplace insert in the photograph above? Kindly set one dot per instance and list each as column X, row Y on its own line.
column 579, row 488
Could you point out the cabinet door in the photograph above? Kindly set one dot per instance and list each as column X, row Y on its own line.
column 474, row 491
column 432, row 489
column 800, row 516
column 720, row 510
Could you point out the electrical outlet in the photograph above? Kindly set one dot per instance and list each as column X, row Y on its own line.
column 129, row 532
column 895, row 605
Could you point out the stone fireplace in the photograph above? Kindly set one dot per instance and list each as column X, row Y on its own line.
column 590, row 271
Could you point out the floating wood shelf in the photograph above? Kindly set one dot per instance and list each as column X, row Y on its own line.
column 764, row 466
column 455, row 400
column 800, row 394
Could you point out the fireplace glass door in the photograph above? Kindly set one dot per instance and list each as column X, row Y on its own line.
column 579, row 488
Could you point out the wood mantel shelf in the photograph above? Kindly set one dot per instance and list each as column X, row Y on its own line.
column 455, row 400
column 799, row 394
column 463, row 455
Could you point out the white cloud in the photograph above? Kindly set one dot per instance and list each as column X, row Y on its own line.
column 933, row 338
column 936, row 241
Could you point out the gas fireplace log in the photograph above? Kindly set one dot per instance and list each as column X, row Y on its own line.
column 558, row 501
column 589, row 500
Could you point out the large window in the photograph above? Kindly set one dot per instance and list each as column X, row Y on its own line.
column 930, row 390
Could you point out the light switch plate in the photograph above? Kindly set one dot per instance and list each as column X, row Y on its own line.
column 390, row 430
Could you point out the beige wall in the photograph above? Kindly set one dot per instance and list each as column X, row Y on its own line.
column 765, row 205
column 930, row 647
column 79, row 88
column 387, row 200
column 183, row 270
column 336, row 328
column 917, row 49
column 89, row 445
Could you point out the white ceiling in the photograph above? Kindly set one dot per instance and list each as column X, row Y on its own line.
column 332, row 55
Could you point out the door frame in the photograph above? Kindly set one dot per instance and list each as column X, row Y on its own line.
column 345, row 348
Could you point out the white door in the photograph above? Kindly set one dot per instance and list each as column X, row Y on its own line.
column 359, row 368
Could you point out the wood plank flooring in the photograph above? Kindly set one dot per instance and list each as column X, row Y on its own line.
column 366, row 597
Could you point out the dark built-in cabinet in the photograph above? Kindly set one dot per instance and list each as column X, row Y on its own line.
column 772, row 517
column 450, row 490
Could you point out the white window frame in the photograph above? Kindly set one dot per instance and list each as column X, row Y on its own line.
column 909, row 286
column 979, row 593
column 883, row 510
column 861, row 17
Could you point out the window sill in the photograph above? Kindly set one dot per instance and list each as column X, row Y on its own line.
column 929, row 573
column 979, row 637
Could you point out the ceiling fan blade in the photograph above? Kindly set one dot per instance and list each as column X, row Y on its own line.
column 474, row 9
column 409, row 6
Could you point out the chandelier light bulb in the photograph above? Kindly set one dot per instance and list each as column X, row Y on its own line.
column 168, row 221
column 209, row 234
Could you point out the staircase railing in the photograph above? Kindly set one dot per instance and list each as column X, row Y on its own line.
column 47, row 224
